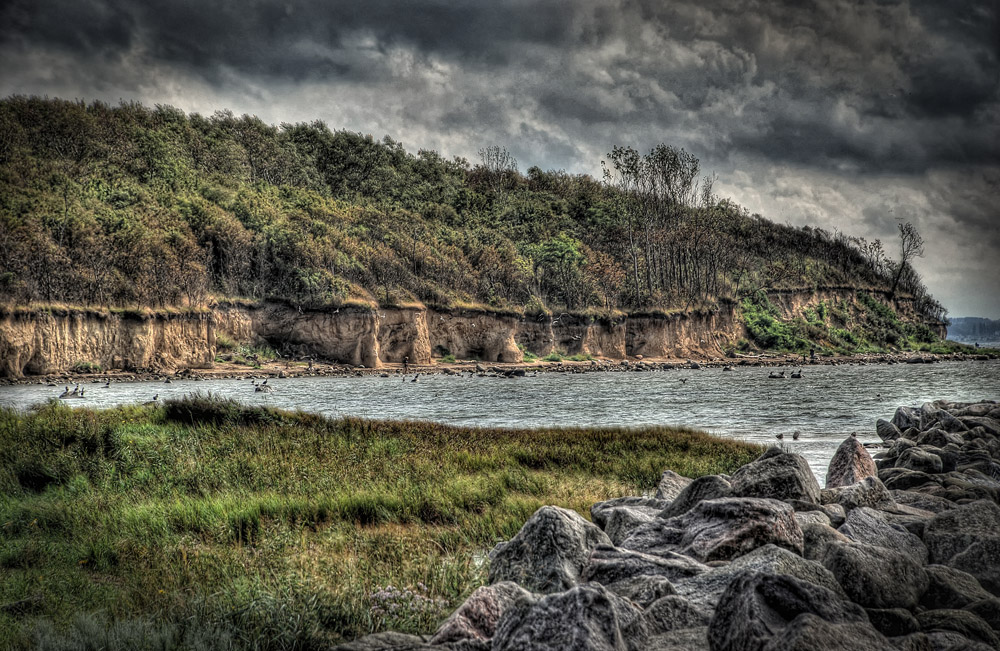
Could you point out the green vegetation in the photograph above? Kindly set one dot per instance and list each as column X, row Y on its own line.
column 86, row 367
column 135, row 207
column 237, row 527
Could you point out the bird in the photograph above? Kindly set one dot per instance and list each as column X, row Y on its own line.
column 167, row 381
column 854, row 435
column 107, row 384
column 797, row 374
column 65, row 393
column 682, row 379
column 779, row 436
column 795, row 435
column 264, row 382
column 415, row 377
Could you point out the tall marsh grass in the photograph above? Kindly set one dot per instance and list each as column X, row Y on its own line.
column 203, row 523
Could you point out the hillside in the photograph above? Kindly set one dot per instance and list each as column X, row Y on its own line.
column 131, row 206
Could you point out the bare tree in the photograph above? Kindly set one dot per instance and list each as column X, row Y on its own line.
column 501, row 170
column 911, row 245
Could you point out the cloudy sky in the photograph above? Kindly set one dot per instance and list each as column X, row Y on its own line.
column 847, row 115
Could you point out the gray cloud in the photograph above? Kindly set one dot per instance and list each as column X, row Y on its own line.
column 843, row 110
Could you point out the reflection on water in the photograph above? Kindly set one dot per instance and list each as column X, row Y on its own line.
column 826, row 405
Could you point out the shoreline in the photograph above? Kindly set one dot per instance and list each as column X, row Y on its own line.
column 290, row 369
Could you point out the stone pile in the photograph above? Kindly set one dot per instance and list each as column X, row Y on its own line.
column 897, row 552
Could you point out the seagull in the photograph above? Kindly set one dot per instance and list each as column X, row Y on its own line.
column 682, row 379
column 795, row 435
column 415, row 377
column 779, row 435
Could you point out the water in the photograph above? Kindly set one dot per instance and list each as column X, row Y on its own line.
column 826, row 405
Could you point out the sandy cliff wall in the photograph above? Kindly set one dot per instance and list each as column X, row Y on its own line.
column 42, row 342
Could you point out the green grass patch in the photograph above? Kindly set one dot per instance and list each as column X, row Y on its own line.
column 86, row 367
column 205, row 523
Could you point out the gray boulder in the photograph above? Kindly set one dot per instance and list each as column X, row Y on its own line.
column 642, row 590
column 904, row 479
column 670, row 486
column 816, row 538
column 720, row 529
column 777, row 475
column 588, row 617
column 921, row 460
column 811, row 517
column 708, row 487
column 680, row 639
column 906, row 417
column 886, row 430
column 608, row 565
column 756, row 609
column 951, row 588
column 869, row 526
column 963, row 622
column 893, row 622
column 619, row 517
column 549, row 552
column 476, row 619
column 876, row 577
column 988, row 610
column 850, row 464
column 921, row 501
column 808, row 633
column 968, row 538
column 671, row 613
column 869, row 492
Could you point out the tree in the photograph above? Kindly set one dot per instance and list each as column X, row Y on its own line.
column 911, row 245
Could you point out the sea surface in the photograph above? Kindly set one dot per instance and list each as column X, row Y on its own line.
column 826, row 405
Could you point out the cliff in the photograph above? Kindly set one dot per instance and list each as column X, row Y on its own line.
column 48, row 341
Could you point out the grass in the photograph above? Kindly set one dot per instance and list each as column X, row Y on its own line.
column 86, row 367
column 203, row 523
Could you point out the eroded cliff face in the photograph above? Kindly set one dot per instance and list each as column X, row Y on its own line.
column 41, row 342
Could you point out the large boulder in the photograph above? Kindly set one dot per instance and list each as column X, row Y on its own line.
column 619, row 517
column 670, row 486
column 777, row 475
column 920, row 459
column 588, row 617
column 609, row 565
column 869, row 492
column 720, row 529
column 906, row 417
column 968, row 538
column 893, row 622
column 672, row 613
column 963, row 622
column 951, row 588
column 850, row 464
column 876, row 577
column 988, row 609
column 707, row 487
column 886, row 430
column 476, row 619
column 816, row 538
column 757, row 610
column 549, row 552
column 869, row 526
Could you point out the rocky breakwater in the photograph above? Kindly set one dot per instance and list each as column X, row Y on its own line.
column 899, row 552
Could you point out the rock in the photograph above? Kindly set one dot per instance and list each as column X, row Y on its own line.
column 938, row 438
column 898, row 447
column 886, row 430
column 968, row 538
column 708, row 487
column 869, row 492
column 962, row 622
column 922, row 501
column 869, row 526
column 549, row 552
column 389, row 640
column 671, row 613
column 920, row 460
column 816, row 538
column 670, row 486
column 587, row 617
column 619, row 517
column 906, row 417
column 952, row 641
column 680, row 639
column 756, row 609
column 720, row 529
column 912, row 642
column 893, row 622
column 777, row 475
column 951, row 588
column 850, row 464
column 808, row 632
column 642, row 590
column 476, row 619
column 876, row 577
column 988, row 609
column 991, row 425
column 608, row 565
column 811, row 517
column 903, row 479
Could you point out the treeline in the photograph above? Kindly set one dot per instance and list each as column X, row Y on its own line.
column 131, row 205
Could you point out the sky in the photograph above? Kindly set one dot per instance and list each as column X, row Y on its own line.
column 850, row 116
